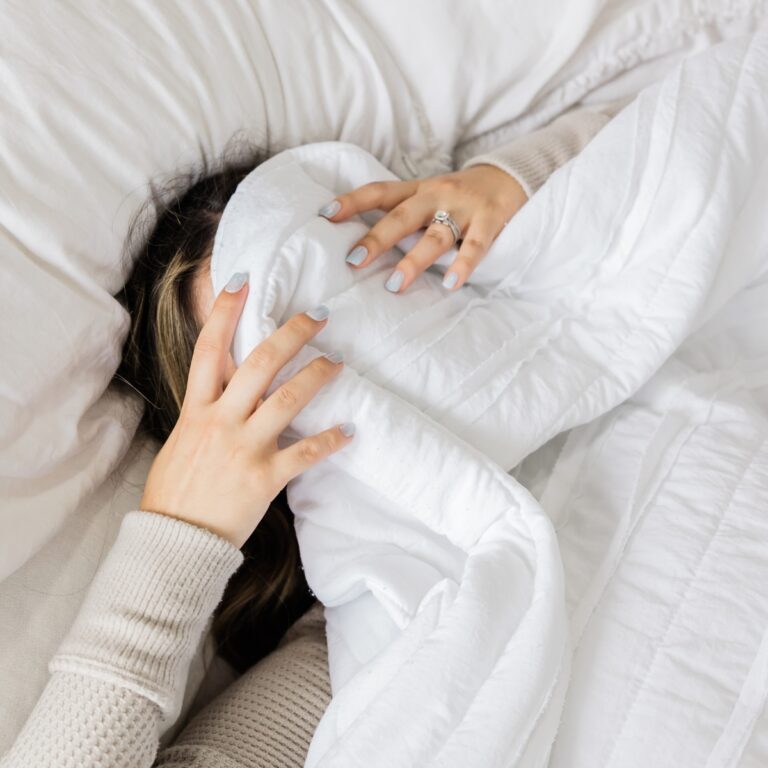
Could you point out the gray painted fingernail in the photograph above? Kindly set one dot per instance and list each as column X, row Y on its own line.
column 357, row 255
column 450, row 280
column 330, row 209
column 320, row 312
column 236, row 282
column 334, row 357
column 347, row 429
column 395, row 281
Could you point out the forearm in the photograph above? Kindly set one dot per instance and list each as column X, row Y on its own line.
column 533, row 158
column 117, row 679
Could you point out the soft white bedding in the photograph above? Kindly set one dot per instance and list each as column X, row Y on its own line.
column 626, row 303
column 96, row 102
column 99, row 98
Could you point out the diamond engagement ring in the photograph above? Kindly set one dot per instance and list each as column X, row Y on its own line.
column 443, row 217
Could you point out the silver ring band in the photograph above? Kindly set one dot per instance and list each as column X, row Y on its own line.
column 443, row 217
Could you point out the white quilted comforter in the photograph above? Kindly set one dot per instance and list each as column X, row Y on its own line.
column 605, row 603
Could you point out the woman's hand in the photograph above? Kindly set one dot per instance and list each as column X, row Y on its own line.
column 481, row 199
column 220, row 467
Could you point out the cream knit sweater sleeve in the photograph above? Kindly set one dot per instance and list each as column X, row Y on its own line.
column 118, row 677
column 533, row 158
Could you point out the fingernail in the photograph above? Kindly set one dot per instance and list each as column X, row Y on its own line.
column 450, row 280
column 331, row 209
column 395, row 281
column 334, row 357
column 236, row 282
column 347, row 429
column 320, row 312
column 357, row 255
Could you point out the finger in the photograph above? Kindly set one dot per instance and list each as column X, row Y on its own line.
column 481, row 233
column 205, row 380
column 300, row 456
column 229, row 370
column 434, row 243
column 405, row 218
column 282, row 406
column 252, row 379
column 382, row 195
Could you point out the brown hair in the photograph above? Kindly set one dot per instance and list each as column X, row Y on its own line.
column 268, row 592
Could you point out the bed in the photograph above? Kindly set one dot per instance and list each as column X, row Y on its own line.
column 96, row 103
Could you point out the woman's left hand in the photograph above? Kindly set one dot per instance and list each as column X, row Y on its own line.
column 481, row 199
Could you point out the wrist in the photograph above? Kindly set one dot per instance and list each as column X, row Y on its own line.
column 221, row 528
column 507, row 190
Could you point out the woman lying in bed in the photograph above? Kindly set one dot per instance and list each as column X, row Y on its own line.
column 214, row 532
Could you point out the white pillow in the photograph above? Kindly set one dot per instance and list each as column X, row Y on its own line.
column 98, row 98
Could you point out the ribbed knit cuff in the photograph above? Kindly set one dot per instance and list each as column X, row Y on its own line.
column 533, row 158
column 147, row 607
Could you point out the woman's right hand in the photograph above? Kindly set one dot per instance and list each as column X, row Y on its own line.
column 220, row 467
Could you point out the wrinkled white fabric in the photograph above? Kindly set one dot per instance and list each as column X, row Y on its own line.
column 98, row 99
column 96, row 102
column 631, row 289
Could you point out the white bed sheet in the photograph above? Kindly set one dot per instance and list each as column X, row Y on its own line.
column 96, row 100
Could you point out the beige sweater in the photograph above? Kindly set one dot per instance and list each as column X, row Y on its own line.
column 117, row 679
column 532, row 159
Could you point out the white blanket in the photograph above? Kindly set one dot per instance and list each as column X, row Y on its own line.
column 97, row 126
column 629, row 296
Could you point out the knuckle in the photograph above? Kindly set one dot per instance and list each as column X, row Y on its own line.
column 205, row 345
column 264, row 356
column 374, row 187
column 438, row 235
column 286, row 397
column 272, row 477
column 211, row 430
column 373, row 241
column 240, row 452
column 331, row 441
column 399, row 213
column 310, row 452
column 475, row 244
column 496, row 210
column 450, row 183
